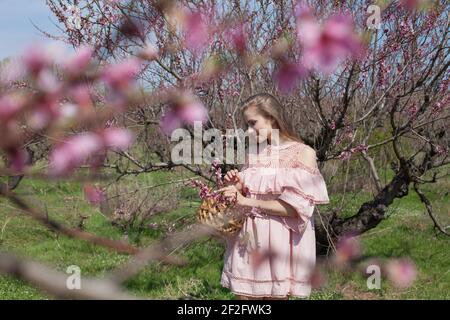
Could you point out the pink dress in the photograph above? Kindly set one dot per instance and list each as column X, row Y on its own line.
column 273, row 255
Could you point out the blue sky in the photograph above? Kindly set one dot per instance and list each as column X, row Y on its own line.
column 16, row 28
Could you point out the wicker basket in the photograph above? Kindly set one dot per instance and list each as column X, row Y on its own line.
column 217, row 215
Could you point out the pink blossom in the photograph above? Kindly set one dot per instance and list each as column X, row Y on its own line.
column 411, row 4
column 345, row 155
column 117, row 139
column 93, row 194
column 43, row 113
column 12, row 70
column 401, row 272
column 186, row 109
column 196, row 31
column 10, row 106
column 81, row 94
column 170, row 121
column 72, row 153
column 206, row 193
column 347, row 249
column 48, row 83
column 77, row 150
column 120, row 76
column 193, row 111
column 326, row 46
column 68, row 111
column 36, row 58
column 215, row 167
column 288, row 75
column 238, row 38
column 78, row 63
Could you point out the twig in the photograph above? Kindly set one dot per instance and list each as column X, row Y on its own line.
column 55, row 282
column 429, row 208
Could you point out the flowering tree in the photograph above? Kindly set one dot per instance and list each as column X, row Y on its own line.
column 354, row 83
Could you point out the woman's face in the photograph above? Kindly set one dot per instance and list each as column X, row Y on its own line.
column 258, row 125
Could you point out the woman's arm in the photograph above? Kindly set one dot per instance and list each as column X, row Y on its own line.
column 275, row 207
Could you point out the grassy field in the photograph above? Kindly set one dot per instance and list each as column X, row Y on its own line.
column 406, row 232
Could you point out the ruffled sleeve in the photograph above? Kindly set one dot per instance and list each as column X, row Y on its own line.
column 302, row 206
column 289, row 179
column 293, row 182
column 302, row 190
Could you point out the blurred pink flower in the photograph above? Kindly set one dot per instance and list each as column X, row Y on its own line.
column 324, row 47
column 412, row 4
column 192, row 111
column 93, row 194
column 117, row 139
column 186, row 109
column 76, row 150
column 120, row 76
column 401, row 272
column 170, row 121
column 78, row 62
column 348, row 248
column 238, row 38
column 48, row 83
column 72, row 153
column 196, row 31
column 81, row 94
column 10, row 106
column 43, row 114
column 12, row 70
column 288, row 75
column 36, row 58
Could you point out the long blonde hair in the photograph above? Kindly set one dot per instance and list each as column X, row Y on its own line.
column 270, row 108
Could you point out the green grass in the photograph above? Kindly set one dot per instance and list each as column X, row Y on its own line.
column 407, row 232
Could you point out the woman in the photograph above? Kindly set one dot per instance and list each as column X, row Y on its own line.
column 274, row 254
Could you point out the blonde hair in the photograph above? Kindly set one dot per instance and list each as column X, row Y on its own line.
column 269, row 107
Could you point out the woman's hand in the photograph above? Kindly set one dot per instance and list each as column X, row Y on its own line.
column 232, row 178
column 231, row 192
